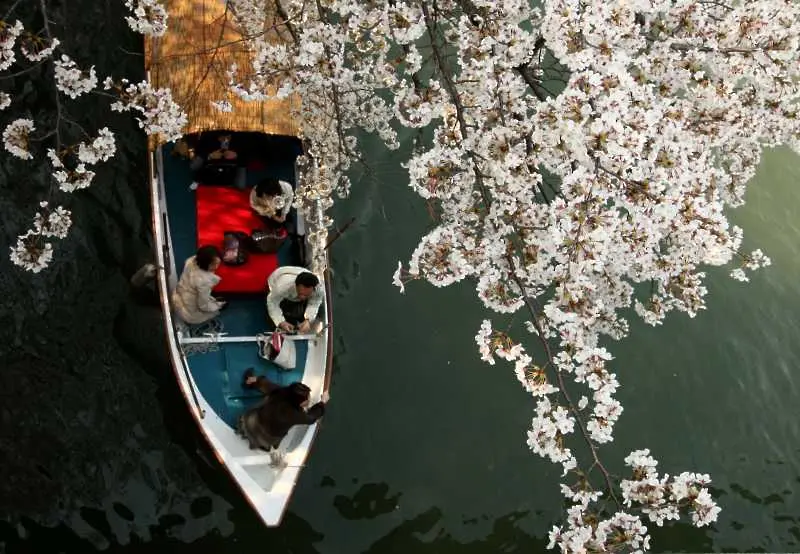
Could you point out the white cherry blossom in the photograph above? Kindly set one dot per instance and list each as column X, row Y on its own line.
column 159, row 115
column 37, row 50
column 8, row 38
column 16, row 138
column 149, row 17
column 582, row 159
column 71, row 80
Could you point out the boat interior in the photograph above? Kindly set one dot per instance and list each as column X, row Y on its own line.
column 199, row 212
column 194, row 208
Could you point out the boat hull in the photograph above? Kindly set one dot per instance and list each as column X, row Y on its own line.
column 266, row 486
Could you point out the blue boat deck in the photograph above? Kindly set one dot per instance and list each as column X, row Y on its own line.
column 218, row 370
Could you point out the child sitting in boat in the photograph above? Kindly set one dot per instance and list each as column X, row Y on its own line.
column 192, row 298
column 266, row 425
column 272, row 199
column 294, row 299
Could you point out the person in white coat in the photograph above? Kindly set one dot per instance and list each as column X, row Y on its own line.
column 192, row 299
column 272, row 199
column 294, row 299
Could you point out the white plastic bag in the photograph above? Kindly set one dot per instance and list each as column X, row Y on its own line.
column 286, row 356
column 277, row 350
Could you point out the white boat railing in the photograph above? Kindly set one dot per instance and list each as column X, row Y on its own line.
column 163, row 258
column 212, row 337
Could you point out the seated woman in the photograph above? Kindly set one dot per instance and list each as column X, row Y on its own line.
column 272, row 199
column 266, row 425
column 192, row 298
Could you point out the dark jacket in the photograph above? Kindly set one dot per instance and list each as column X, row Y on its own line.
column 267, row 424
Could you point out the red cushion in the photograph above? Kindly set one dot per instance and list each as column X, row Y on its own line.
column 221, row 209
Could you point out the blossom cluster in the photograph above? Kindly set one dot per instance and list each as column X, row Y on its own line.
column 8, row 38
column 582, row 157
column 574, row 200
column 32, row 251
column 149, row 17
column 662, row 496
column 160, row 116
column 71, row 171
column 73, row 165
column 70, row 165
column 16, row 138
column 37, row 48
column 71, row 80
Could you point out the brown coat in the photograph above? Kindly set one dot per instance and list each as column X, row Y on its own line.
column 266, row 425
column 192, row 298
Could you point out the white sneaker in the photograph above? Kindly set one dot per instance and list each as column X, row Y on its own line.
column 277, row 458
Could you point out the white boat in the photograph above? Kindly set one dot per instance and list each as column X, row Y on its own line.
column 209, row 361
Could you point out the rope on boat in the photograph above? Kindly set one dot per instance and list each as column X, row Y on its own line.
column 213, row 330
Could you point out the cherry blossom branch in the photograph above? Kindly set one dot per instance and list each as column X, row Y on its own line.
column 43, row 8
column 529, row 302
column 22, row 71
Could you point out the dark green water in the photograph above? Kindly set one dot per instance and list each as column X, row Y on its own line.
column 423, row 449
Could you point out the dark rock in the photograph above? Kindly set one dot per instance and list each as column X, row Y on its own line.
column 84, row 373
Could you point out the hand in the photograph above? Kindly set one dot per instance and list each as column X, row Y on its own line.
column 286, row 326
column 325, row 398
column 304, row 327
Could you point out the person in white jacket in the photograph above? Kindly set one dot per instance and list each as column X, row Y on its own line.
column 192, row 298
column 294, row 299
column 272, row 199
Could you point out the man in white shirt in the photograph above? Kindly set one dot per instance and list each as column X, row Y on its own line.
column 294, row 298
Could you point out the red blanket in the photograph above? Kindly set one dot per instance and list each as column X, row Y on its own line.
column 221, row 209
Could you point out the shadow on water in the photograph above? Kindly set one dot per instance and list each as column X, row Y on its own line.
column 370, row 501
column 421, row 536
column 29, row 537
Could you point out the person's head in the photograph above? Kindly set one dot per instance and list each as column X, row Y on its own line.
column 305, row 284
column 299, row 394
column 268, row 187
column 208, row 258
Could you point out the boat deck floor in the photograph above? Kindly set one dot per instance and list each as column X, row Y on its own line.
column 218, row 368
column 218, row 375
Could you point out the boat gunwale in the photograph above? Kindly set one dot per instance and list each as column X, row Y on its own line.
column 178, row 362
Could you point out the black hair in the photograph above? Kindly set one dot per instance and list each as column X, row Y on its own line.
column 307, row 279
column 268, row 187
column 205, row 256
column 297, row 393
